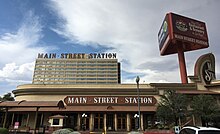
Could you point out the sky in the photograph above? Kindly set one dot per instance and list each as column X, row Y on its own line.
column 126, row 27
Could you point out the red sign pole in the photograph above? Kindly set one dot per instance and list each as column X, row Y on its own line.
column 182, row 64
column 185, row 34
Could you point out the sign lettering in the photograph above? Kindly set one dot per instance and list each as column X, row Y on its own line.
column 207, row 72
column 78, row 56
column 105, row 100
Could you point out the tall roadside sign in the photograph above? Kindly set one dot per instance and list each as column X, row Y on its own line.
column 179, row 34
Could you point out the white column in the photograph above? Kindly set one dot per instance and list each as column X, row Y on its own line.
column 27, row 121
column 105, row 126
column 41, row 119
column 128, row 122
column 142, row 121
column 12, row 119
column 91, row 122
column 116, row 122
column 79, row 122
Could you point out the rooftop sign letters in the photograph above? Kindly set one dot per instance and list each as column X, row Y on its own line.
column 77, row 55
column 107, row 100
column 205, row 68
column 176, row 29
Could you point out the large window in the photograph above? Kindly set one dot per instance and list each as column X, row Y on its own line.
column 122, row 121
column 99, row 122
column 110, row 122
column 56, row 121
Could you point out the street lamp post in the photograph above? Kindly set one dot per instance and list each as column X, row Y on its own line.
column 136, row 121
column 139, row 112
column 84, row 116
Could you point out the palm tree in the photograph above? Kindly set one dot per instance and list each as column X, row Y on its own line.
column 172, row 106
column 205, row 107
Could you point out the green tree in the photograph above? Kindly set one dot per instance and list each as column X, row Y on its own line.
column 163, row 113
column 204, row 107
column 7, row 97
column 172, row 106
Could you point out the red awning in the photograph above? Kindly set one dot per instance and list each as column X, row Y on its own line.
column 88, row 109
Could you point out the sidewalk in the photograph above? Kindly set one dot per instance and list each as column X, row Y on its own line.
column 132, row 132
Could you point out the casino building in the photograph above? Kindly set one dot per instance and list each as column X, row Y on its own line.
column 86, row 94
column 84, row 91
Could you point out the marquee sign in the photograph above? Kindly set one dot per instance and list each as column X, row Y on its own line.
column 107, row 100
column 77, row 55
column 180, row 30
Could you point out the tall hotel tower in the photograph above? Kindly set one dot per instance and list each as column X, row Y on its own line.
column 70, row 68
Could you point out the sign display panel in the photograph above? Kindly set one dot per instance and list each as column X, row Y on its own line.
column 163, row 33
column 106, row 100
column 180, row 30
column 189, row 30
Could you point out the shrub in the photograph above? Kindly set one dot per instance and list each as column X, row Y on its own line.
column 62, row 131
column 166, row 127
column 4, row 131
column 70, row 129
column 74, row 132
column 159, row 126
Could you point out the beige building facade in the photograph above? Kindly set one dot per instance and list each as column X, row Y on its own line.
column 98, row 107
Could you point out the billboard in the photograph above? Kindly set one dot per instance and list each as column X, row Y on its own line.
column 180, row 30
column 109, row 100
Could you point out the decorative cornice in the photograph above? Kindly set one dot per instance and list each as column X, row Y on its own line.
column 175, row 86
column 84, row 90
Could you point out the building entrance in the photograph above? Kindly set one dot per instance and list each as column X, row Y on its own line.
column 71, row 121
column 110, row 122
column 99, row 121
column 121, row 122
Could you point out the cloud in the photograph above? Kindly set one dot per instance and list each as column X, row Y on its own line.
column 14, row 73
column 18, row 51
column 21, row 46
column 130, row 28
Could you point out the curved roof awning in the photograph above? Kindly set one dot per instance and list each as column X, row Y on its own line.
column 25, row 104
column 89, row 109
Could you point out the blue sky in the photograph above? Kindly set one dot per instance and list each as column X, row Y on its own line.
column 127, row 27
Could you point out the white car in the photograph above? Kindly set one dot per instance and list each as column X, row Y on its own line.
column 199, row 130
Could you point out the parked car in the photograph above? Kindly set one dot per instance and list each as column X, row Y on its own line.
column 199, row 130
